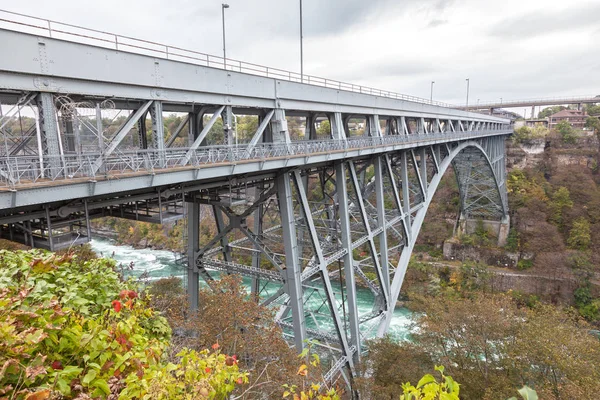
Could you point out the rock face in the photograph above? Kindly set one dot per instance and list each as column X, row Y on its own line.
column 535, row 152
column 527, row 154
column 489, row 256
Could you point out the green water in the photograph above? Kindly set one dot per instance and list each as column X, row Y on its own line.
column 160, row 263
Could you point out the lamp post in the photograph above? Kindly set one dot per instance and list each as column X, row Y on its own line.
column 431, row 94
column 467, row 93
column 301, row 48
column 223, row 7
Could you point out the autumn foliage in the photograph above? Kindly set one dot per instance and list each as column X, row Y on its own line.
column 72, row 329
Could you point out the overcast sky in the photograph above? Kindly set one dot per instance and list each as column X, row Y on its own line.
column 510, row 48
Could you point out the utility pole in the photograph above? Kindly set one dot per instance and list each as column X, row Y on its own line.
column 301, row 48
column 467, row 93
column 431, row 94
column 223, row 7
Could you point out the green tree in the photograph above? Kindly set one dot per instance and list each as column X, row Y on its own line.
column 521, row 134
column 593, row 109
column 580, row 236
column 566, row 131
column 548, row 111
column 324, row 129
column 561, row 199
column 593, row 123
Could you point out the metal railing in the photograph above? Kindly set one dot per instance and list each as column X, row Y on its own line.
column 54, row 29
column 541, row 100
column 22, row 171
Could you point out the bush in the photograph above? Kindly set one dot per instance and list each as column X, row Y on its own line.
column 522, row 264
column 72, row 329
column 580, row 236
column 566, row 131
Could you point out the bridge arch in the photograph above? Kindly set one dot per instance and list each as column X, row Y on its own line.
column 495, row 201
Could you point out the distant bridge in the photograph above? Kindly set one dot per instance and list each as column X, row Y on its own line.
column 289, row 210
column 547, row 101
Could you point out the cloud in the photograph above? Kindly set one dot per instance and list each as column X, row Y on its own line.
column 543, row 22
column 437, row 22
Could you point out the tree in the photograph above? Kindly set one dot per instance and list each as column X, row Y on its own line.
column 491, row 345
column 593, row 109
column 566, row 131
column 521, row 134
column 593, row 123
column 548, row 111
column 579, row 235
column 240, row 325
column 561, row 199
column 324, row 129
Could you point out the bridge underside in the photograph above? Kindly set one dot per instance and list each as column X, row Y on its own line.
column 322, row 190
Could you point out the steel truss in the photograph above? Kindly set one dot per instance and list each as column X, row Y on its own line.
column 306, row 217
column 341, row 224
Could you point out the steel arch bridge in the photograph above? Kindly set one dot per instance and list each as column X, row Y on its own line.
column 306, row 216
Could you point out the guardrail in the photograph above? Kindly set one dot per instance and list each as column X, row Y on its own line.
column 26, row 170
column 74, row 33
column 549, row 100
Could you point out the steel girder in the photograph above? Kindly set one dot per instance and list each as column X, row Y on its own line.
column 362, row 217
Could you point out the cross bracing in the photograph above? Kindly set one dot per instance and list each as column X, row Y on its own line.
column 306, row 215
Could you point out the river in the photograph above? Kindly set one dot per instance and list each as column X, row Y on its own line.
column 161, row 263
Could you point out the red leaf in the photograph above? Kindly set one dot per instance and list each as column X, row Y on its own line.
column 123, row 294
column 56, row 365
column 116, row 305
column 132, row 294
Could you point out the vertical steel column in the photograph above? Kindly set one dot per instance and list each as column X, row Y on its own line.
column 77, row 133
column 293, row 279
column 423, row 165
column 383, row 246
column 258, row 230
column 279, row 127
column 142, row 131
column 99, row 128
column 337, row 127
column 405, row 191
column 158, row 131
column 218, row 214
column 52, row 146
column 193, row 245
column 228, row 126
column 344, row 216
column 192, row 127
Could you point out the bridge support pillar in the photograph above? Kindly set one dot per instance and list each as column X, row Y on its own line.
column 228, row 126
column 348, row 259
column 50, row 135
column 193, row 243
column 500, row 229
column 279, row 128
column 293, row 272
column 158, row 132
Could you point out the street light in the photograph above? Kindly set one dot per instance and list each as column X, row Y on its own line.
column 431, row 95
column 223, row 7
column 301, row 48
column 467, row 93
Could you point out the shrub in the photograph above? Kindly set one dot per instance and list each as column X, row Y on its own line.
column 524, row 264
column 72, row 329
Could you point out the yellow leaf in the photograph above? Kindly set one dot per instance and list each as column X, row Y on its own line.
column 303, row 370
column 41, row 395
